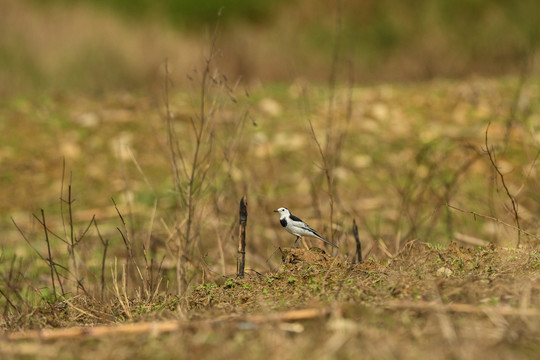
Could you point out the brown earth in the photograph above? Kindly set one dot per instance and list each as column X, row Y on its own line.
column 426, row 302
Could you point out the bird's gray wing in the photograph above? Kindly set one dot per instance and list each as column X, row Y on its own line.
column 299, row 223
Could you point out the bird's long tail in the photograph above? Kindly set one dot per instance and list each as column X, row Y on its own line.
column 323, row 239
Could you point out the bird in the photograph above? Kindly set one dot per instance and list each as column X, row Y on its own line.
column 297, row 227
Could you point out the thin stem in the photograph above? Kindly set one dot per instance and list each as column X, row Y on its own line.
column 512, row 199
column 51, row 264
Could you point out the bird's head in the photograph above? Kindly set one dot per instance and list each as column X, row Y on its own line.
column 282, row 212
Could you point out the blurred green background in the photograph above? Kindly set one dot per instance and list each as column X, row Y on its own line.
column 98, row 46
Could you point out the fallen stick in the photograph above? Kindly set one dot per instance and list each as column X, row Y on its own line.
column 461, row 308
column 470, row 240
column 293, row 315
column 155, row 328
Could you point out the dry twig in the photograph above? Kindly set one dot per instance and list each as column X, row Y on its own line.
column 164, row 326
column 494, row 219
column 491, row 156
column 426, row 306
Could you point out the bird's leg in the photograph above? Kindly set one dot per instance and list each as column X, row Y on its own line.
column 295, row 241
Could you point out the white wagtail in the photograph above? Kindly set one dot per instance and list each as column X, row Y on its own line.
column 297, row 227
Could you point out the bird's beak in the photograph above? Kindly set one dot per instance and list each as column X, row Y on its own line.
column 276, row 211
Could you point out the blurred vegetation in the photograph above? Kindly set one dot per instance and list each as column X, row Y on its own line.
column 407, row 162
column 406, row 152
column 102, row 45
column 185, row 13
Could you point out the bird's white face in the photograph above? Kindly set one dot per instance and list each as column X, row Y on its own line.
column 282, row 212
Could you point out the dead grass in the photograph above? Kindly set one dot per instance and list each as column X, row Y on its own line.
column 403, row 307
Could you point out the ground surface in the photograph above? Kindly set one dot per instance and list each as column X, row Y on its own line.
column 443, row 276
column 427, row 302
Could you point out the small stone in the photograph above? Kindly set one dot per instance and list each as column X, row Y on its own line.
column 444, row 272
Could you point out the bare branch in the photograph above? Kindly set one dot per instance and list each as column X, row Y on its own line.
column 491, row 156
column 496, row 220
